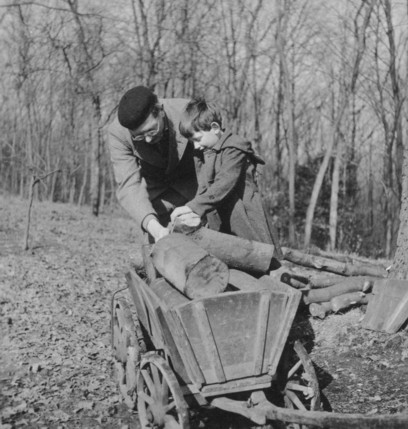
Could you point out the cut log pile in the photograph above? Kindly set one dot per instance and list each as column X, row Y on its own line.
column 329, row 284
column 205, row 262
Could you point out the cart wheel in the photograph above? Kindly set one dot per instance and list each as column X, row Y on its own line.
column 128, row 345
column 301, row 390
column 160, row 402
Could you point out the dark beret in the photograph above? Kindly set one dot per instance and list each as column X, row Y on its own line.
column 135, row 106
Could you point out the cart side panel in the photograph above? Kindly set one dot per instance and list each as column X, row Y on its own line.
column 146, row 304
column 232, row 334
column 292, row 300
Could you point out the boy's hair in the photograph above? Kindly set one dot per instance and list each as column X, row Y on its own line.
column 198, row 116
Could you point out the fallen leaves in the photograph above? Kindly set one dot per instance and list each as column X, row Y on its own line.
column 54, row 309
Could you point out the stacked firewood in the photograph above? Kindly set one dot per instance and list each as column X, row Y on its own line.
column 329, row 284
column 206, row 262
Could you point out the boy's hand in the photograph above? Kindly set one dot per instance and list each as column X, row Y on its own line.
column 180, row 211
column 184, row 216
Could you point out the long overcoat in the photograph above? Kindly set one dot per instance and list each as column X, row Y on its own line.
column 228, row 193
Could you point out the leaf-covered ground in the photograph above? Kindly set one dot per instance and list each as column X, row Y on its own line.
column 55, row 355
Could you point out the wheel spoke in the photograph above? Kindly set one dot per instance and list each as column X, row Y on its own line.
column 148, row 399
column 164, row 392
column 169, row 406
column 307, row 390
column 156, row 376
column 149, row 382
column 294, row 369
column 171, row 423
column 295, row 400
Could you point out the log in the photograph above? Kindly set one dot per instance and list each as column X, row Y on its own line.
column 243, row 281
column 317, row 282
column 298, row 282
column 245, row 255
column 320, row 310
column 355, row 284
column 346, row 300
column 331, row 265
column 188, row 267
column 338, row 303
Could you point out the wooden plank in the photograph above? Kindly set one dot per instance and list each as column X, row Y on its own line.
column 387, row 296
column 151, row 272
column 239, row 385
column 168, row 296
column 262, row 324
column 292, row 299
column 171, row 348
column 136, row 285
column 185, row 349
column 208, row 340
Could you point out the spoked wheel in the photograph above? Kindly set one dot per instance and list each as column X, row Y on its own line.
column 160, row 402
column 128, row 345
column 301, row 389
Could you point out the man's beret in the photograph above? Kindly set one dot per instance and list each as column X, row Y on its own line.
column 135, row 106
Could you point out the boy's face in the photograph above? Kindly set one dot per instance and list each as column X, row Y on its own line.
column 206, row 139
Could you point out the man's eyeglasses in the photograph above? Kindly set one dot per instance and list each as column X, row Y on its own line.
column 141, row 137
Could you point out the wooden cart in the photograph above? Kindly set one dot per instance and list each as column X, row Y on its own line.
column 225, row 351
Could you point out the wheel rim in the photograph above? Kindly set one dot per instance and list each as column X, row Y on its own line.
column 160, row 402
column 127, row 349
column 301, row 390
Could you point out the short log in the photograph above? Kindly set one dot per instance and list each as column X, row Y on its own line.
column 188, row 267
column 354, row 284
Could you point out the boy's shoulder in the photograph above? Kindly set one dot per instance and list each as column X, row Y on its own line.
column 229, row 139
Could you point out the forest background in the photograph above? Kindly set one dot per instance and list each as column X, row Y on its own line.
column 319, row 87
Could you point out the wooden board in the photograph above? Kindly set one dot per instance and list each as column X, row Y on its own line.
column 387, row 309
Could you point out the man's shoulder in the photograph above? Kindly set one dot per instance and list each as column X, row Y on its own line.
column 174, row 107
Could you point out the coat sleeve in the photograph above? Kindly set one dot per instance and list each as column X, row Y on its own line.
column 131, row 192
column 233, row 166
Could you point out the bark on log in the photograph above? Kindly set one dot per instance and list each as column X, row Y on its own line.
column 355, row 284
column 244, row 281
column 344, row 301
column 298, row 282
column 245, row 255
column 338, row 303
column 188, row 267
column 317, row 282
column 326, row 264
column 320, row 310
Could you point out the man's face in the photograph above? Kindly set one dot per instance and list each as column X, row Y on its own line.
column 151, row 130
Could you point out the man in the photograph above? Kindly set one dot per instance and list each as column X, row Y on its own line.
column 153, row 164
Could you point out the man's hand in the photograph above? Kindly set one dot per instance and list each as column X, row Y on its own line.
column 156, row 230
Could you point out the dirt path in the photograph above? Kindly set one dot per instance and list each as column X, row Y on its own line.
column 55, row 358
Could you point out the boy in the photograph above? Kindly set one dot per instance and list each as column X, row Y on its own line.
column 227, row 194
